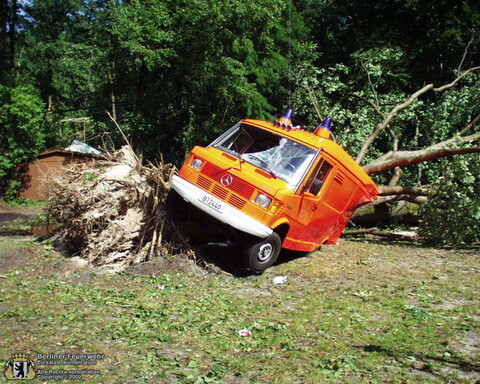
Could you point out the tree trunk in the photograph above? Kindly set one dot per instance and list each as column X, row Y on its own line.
column 12, row 26
column 3, row 37
column 388, row 190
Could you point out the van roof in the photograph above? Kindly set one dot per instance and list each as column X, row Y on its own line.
column 305, row 137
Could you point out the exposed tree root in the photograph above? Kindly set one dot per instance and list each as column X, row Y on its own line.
column 112, row 212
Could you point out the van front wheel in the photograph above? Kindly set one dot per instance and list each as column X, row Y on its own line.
column 262, row 254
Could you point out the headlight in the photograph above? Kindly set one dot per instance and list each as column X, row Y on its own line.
column 196, row 164
column 263, row 200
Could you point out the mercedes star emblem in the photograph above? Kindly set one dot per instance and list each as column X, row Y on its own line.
column 226, row 180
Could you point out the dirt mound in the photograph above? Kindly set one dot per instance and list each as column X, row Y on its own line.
column 112, row 212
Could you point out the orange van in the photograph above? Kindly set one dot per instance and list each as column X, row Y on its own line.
column 274, row 186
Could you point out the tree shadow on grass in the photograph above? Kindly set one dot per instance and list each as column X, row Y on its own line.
column 417, row 243
column 425, row 362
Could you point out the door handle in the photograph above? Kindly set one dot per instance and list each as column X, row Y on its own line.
column 314, row 207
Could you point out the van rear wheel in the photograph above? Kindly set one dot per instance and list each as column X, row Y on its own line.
column 263, row 254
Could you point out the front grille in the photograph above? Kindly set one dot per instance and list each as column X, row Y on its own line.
column 237, row 194
column 242, row 188
column 204, row 182
column 220, row 192
column 238, row 186
column 213, row 171
column 236, row 201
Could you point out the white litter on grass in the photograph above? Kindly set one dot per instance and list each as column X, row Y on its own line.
column 244, row 332
column 277, row 280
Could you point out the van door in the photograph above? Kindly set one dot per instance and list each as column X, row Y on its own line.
column 314, row 216
column 326, row 197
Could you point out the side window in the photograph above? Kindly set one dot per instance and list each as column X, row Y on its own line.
column 320, row 177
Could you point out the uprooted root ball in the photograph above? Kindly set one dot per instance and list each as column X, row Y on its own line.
column 112, row 211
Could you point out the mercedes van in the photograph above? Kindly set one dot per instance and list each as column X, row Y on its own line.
column 273, row 186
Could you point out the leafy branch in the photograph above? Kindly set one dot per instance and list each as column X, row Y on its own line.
column 399, row 107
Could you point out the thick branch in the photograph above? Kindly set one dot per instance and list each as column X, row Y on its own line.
column 396, row 198
column 469, row 125
column 445, row 148
column 382, row 125
column 390, row 194
column 404, row 158
column 454, row 82
column 398, row 108
column 386, row 190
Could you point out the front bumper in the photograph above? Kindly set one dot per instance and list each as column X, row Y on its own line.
column 219, row 209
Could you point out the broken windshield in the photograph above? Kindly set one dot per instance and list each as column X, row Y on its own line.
column 283, row 158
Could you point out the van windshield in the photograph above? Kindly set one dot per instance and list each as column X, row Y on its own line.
column 283, row 158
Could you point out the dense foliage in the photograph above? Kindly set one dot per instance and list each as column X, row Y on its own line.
column 176, row 73
column 452, row 214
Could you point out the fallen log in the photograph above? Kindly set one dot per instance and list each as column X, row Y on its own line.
column 376, row 232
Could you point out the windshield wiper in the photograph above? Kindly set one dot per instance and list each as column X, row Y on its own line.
column 267, row 168
column 240, row 159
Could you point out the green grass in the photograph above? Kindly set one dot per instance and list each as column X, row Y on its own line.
column 27, row 225
column 360, row 312
column 23, row 202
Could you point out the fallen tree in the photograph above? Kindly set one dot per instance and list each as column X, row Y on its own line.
column 453, row 146
column 387, row 119
column 463, row 142
column 399, row 146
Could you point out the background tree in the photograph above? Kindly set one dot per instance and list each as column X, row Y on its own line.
column 4, row 13
column 231, row 62
column 21, row 115
column 451, row 215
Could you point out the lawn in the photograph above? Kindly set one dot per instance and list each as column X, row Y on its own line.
column 362, row 311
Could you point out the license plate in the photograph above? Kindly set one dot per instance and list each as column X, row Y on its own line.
column 212, row 203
